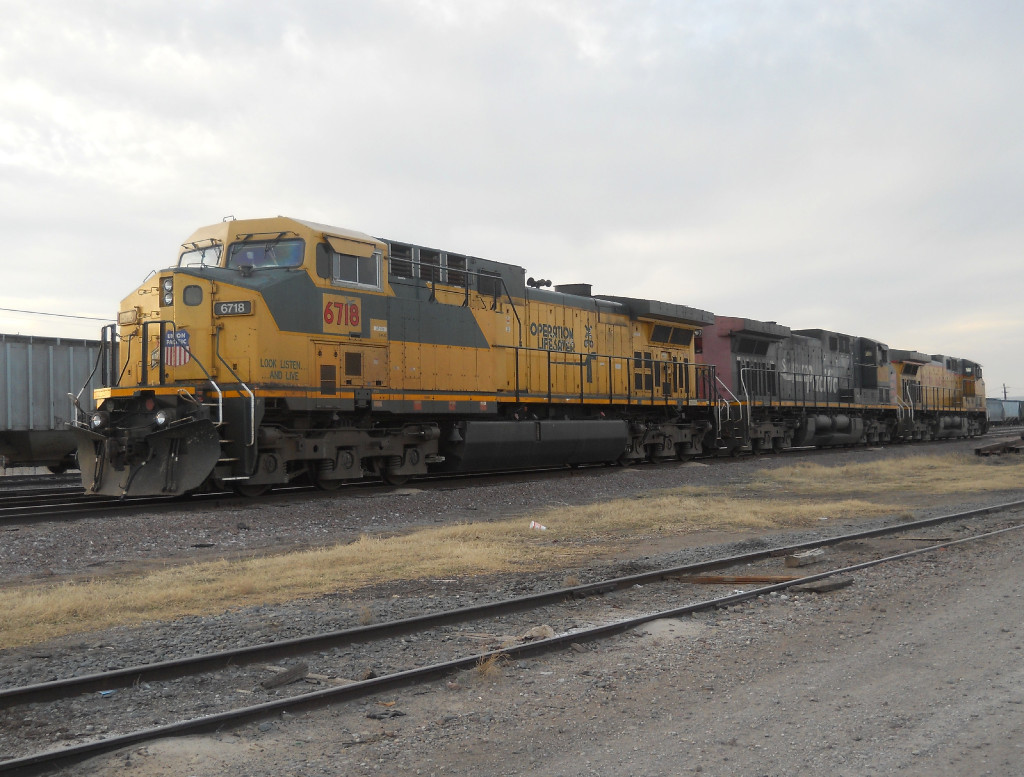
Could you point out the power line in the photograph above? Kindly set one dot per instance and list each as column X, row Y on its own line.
column 55, row 315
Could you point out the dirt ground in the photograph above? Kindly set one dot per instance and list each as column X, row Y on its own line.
column 915, row 669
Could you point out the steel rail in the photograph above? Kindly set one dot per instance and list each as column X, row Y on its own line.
column 75, row 507
column 12, row 482
column 53, row 758
column 81, row 505
column 23, row 495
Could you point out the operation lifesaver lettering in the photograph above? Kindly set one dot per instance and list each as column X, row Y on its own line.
column 553, row 337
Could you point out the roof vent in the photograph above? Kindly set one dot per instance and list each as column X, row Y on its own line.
column 579, row 289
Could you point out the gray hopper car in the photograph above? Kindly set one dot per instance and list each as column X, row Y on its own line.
column 36, row 376
column 1005, row 412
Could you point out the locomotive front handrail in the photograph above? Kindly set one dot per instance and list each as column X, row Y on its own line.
column 109, row 347
column 161, row 361
column 220, row 401
column 76, row 397
column 746, row 393
column 144, row 377
column 220, row 394
column 904, row 407
column 252, row 396
column 724, row 403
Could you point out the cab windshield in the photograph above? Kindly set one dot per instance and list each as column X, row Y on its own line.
column 205, row 254
column 266, row 253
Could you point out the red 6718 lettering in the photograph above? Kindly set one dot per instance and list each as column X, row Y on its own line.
column 341, row 313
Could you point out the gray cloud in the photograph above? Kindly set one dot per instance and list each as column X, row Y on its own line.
column 851, row 166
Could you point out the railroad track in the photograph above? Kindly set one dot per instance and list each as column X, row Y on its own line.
column 68, row 502
column 64, row 504
column 11, row 482
column 40, row 496
column 492, row 615
column 1008, row 440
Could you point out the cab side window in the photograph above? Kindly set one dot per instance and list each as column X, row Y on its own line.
column 348, row 270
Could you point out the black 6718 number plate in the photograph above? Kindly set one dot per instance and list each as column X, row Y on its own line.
column 243, row 308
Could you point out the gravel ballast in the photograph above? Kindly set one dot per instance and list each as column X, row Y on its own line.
column 915, row 669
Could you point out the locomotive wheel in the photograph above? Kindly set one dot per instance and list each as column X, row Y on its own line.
column 324, row 484
column 688, row 451
column 395, row 480
column 249, row 490
column 327, row 485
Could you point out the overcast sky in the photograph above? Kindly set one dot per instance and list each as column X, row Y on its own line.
column 856, row 166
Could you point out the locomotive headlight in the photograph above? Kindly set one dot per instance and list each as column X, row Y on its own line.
column 167, row 292
column 99, row 419
column 163, row 417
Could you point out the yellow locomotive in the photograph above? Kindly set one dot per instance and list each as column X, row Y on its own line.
column 276, row 349
column 937, row 396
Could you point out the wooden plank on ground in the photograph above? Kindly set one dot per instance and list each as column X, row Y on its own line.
column 824, row 586
column 806, row 557
column 999, row 448
column 925, row 539
column 291, row 675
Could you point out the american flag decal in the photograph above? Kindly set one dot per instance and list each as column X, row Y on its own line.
column 176, row 352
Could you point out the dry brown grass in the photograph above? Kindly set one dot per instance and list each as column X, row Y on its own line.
column 943, row 474
column 801, row 495
column 34, row 613
column 490, row 668
column 365, row 616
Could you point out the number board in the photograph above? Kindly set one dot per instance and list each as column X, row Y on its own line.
column 342, row 314
column 243, row 308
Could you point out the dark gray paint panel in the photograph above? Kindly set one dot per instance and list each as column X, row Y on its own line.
column 295, row 304
column 417, row 321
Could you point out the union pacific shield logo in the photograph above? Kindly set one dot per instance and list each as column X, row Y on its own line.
column 176, row 349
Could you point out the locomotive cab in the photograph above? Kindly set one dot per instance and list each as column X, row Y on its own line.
column 196, row 348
